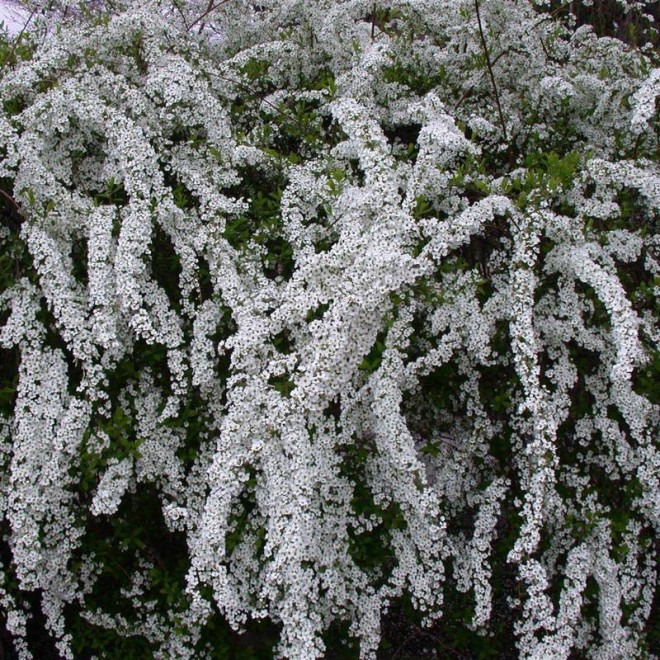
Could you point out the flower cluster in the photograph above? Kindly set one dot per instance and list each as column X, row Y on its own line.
column 315, row 307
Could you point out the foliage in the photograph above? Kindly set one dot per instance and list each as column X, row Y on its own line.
column 325, row 321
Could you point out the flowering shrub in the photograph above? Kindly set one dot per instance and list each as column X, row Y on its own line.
column 315, row 310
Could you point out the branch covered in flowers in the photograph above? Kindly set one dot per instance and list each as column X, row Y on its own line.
column 321, row 307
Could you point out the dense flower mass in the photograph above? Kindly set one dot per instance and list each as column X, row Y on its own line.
column 311, row 309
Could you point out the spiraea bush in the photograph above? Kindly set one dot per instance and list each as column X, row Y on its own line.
column 321, row 316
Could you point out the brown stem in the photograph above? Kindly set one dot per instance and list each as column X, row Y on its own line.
column 246, row 88
column 20, row 34
column 11, row 200
column 183, row 16
column 490, row 70
column 211, row 7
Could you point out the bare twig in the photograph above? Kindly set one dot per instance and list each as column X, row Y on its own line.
column 490, row 70
column 246, row 88
column 470, row 90
column 211, row 7
column 11, row 200
column 183, row 16
column 19, row 36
